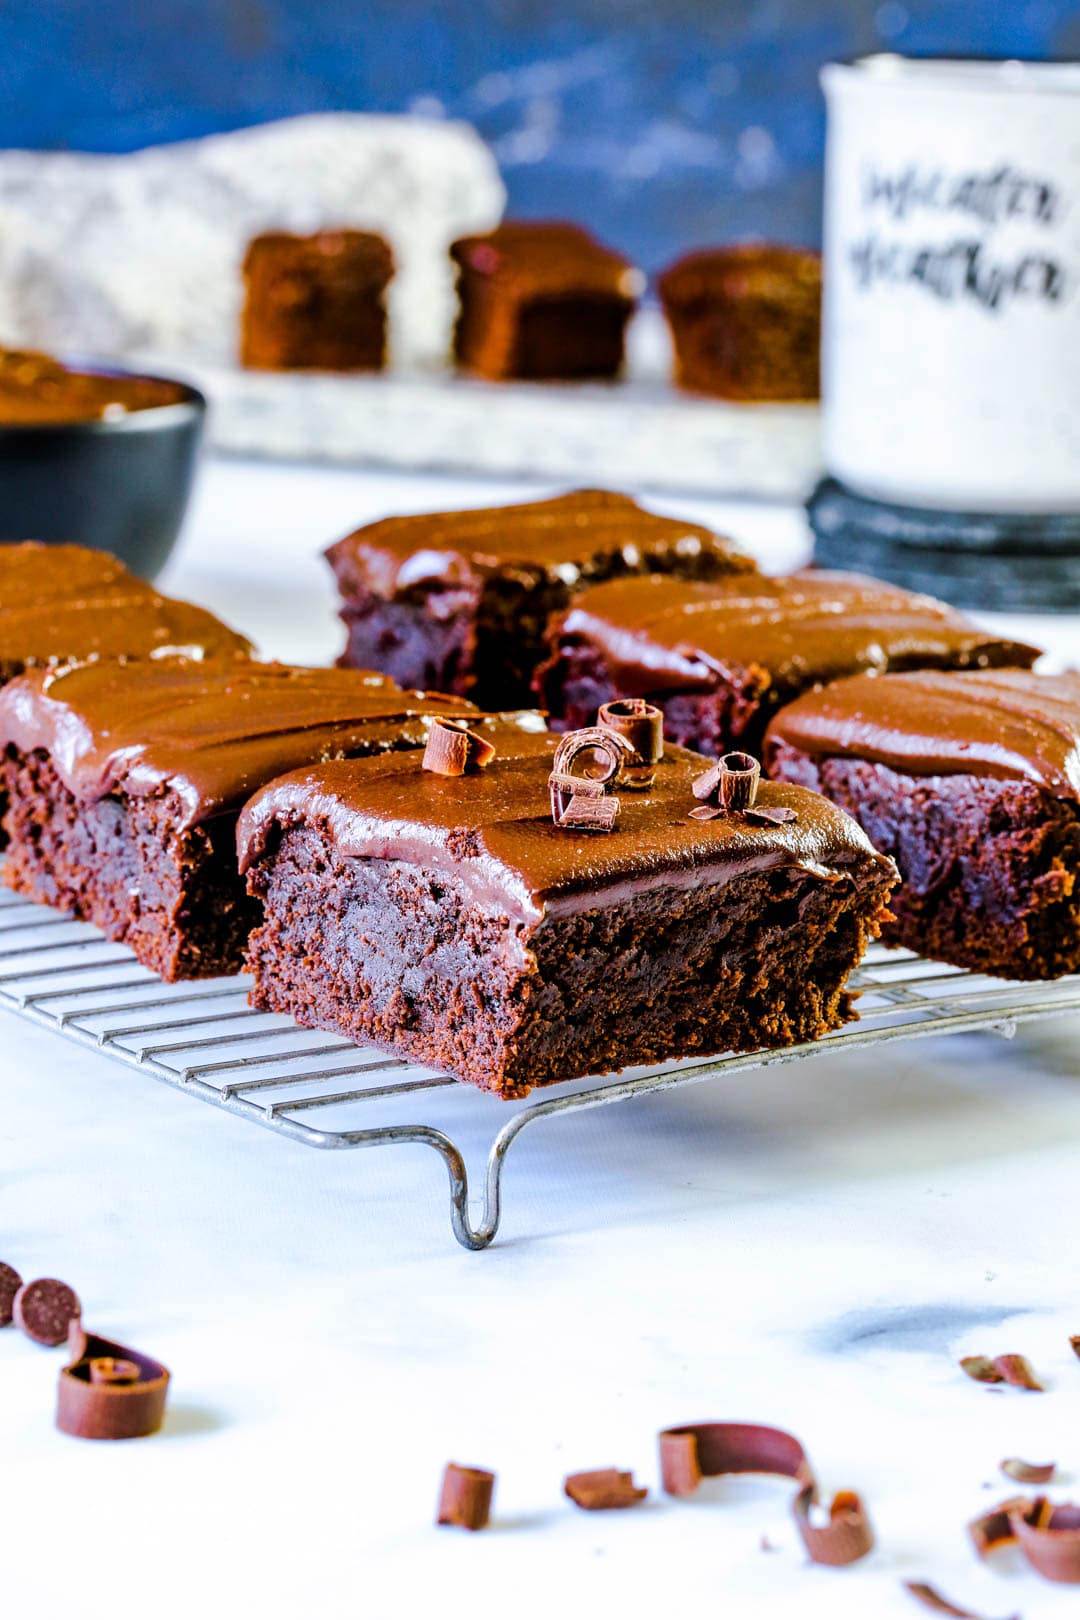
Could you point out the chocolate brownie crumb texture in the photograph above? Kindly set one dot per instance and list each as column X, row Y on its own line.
column 971, row 781
column 514, row 952
column 542, row 301
column 459, row 601
column 125, row 782
column 719, row 658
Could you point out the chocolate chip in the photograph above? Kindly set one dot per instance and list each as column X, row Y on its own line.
column 45, row 1310
column 10, row 1283
column 465, row 1497
column 731, row 783
column 603, row 1488
column 109, row 1392
column 453, row 750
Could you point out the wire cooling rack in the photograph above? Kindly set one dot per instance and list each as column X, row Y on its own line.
column 325, row 1092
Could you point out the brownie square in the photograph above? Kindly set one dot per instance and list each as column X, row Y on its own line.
column 746, row 321
column 450, row 919
column 971, row 782
column 315, row 302
column 721, row 658
column 459, row 601
column 125, row 781
column 544, row 301
column 59, row 603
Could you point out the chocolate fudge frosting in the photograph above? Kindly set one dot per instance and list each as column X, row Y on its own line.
column 210, row 733
column 566, row 537
column 1007, row 723
column 69, row 602
column 36, row 389
column 538, row 258
column 493, row 830
column 658, row 634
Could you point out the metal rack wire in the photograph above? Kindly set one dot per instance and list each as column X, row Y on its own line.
column 325, row 1092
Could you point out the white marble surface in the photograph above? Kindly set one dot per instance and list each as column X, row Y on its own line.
column 811, row 1247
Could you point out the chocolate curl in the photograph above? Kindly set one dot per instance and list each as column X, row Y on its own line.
column 731, row 783
column 452, row 749
column 603, row 1489
column 992, row 1529
column 931, row 1598
column 773, row 815
column 10, row 1284
column 698, row 1451
column 1007, row 1369
column 109, row 1392
column 642, row 724
column 586, row 814
column 1074, row 1343
column 563, row 788
column 578, row 797
column 465, row 1497
column 1027, row 1473
column 1049, row 1538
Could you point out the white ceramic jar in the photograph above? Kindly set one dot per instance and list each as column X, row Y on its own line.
column 951, row 342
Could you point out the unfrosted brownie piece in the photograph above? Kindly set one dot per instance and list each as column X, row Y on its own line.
column 451, row 919
column 59, row 603
column 720, row 658
column 315, row 302
column 459, row 601
column 125, row 781
column 543, row 301
column 972, row 783
column 746, row 321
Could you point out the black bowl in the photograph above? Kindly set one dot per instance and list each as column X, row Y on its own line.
column 120, row 484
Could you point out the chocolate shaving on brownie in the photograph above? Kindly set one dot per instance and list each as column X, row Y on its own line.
column 642, row 724
column 45, row 1310
column 453, row 750
column 1007, row 1369
column 704, row 812
column 108, row 1392
column 773, row 815
column 10, row 1283
column 1047, row 1533
column 697, row 1451
column 1027, row 1473
column 731, row 783
column 931, row 1598
column 465, row 1497
column 603, row 1488
column 586, row 813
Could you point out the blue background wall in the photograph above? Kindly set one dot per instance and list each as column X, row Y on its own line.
column 661, row 122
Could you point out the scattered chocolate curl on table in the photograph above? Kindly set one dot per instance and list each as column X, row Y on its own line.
column 45, row 1310
column 730, row 784
column 10, row 1283
column 603, row 1488
column 109, row 1392
column 1047, row 1533
column 1027, row 1473
column 931, row 1598
column 465, row 1497
column 1008, row 1369
column 1074, row 1342
column 453, row 750
column 697, row 1451
column 642, row 724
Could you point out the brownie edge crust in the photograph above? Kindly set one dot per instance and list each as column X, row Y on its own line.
column 515, row 954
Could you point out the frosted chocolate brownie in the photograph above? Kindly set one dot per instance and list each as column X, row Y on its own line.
column 972, row 783
column 542, row 300
column 458, row 601
column 450, row 919
column 746, row 321
column 721, row 658
column 59, row 603
column 125, row 781
column 315, row 302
